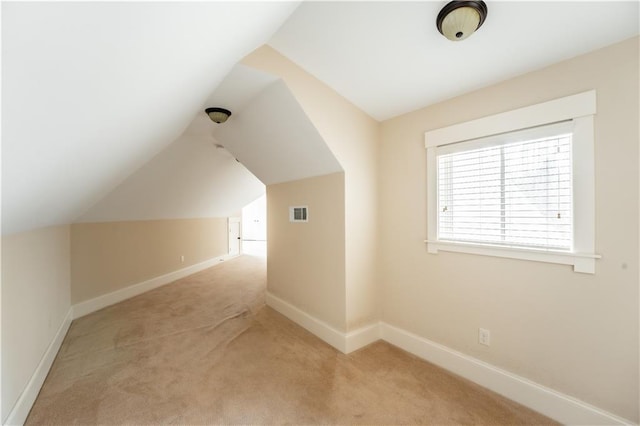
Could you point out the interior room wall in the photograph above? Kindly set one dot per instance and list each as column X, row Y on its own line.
column 109, row 256
column 35, row 301
column 353, row 137
column 576, row 333
column 306, row 261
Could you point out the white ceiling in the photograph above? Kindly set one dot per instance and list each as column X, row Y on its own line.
column 189, row 179
column 272, row 136
column 194, row 177
column 93, row 90
column 388, row 58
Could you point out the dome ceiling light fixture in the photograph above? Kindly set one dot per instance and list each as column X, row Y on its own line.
column 459, row 19
column 218, row 115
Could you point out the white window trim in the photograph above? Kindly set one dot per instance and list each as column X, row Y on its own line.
column 580, row 108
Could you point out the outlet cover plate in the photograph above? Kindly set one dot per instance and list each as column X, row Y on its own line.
column 484, row 336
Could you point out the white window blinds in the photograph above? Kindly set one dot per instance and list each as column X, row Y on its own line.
column 511, row 190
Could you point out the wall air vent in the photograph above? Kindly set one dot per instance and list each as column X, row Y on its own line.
column 299, row 214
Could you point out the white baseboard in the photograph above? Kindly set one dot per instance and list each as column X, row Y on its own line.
column 320, row 328
column 558, row 406
column 554, row 404
column 84, row 308
column 344, row 342
column 362, row 337
column 20, row 410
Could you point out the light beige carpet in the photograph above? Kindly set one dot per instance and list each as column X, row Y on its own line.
column 205, row 350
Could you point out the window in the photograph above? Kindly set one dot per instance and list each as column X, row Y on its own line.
column 508, row 192
column 513, row 185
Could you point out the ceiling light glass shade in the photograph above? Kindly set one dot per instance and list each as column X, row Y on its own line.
column 218, row 115
column 459, row 19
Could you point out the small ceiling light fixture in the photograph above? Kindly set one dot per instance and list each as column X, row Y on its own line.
column 218, row 115
column 459, row 19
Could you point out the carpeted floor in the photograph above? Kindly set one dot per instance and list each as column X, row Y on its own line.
column 205, row 350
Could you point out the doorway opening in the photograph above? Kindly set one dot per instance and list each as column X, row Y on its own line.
column 234, row 236
column 254, row 227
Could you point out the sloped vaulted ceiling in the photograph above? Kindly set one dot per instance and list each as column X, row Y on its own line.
column 274, row 138
column 92, row 91
column 191, row 177
column 268, row 132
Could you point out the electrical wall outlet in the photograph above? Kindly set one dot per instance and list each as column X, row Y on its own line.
column 484, row 336
column 182, row 259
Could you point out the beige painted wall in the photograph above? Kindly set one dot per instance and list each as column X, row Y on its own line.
column 35, row 301
column 108, row 256
column 306, row 261
column 576, row 333
column 353, row 137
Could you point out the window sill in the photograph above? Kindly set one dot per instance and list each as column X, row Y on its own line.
column 581, row 262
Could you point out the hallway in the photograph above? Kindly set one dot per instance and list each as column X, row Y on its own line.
column 205, row 350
